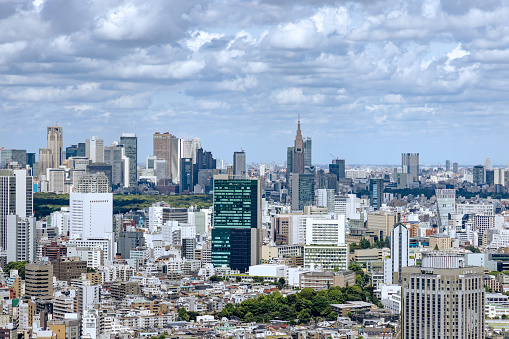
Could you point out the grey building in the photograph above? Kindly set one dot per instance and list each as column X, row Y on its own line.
column 308, row 160
column 239, row 165
column 478, row 175
column 410, row 164
column 13, row 155
column 302, row 190
column 130, row 143
column 96, row 168
column 128, row 241
column 455, row 167
column 113, row 157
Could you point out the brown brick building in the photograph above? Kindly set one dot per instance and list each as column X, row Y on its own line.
column 66, row 269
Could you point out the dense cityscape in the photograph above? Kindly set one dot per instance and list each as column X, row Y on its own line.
column 98, row 243
column 254, row 169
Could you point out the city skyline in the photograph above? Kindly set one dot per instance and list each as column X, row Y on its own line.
column 429, row 76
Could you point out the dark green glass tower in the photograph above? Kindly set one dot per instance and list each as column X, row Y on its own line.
column 237, row 223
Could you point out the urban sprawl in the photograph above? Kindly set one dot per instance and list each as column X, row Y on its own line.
column 98, row 243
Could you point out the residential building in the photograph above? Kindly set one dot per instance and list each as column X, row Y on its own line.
column 16, row 197
column 68, row 268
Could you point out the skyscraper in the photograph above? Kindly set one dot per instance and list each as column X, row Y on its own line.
column 130, row 143
column 39, row 280
column 186, row 174
column 478, row 175
column 446, row 204
column 94, row 149
column 113, row 156
column 16, row 197
column 298, row 152
column 442, row 299
column 302, row 190
column 166, row 147
column 399, row 255
column 488, row 164
column 338, row 168
column 9, row 156
column 376, row 193
column 447, row 165
column 55, row 143
column 236, row 236
column 239, row 165
column 455, row 167
column 410, row 164
column 308, row 160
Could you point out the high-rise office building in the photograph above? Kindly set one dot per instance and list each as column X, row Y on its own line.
column 39, row 280
column 488, row 164
column 302, row 190
column 298, row 152
column 94, row 183
column 55, row 143
column 239, row 165
column 400, row 242
column 308, row 160
column 289, row 163
column 186, row 174
column 82, row 149
column 443, row 299
column 13, row 156
column 165, row 147
column 410, row 164
column 376, row 193
column 490, row 177
column 16, row 197
column 113, row 155
column 236, row 233
column 91, row 215
column 94, row 149
column 338, row 168
column 45, row 160
column 130, row 143
column 447, row 165
column 455, row 167
column 101, row 168
column 478, row 175
column 204, row 161
column 71, row 151
column 446, row 205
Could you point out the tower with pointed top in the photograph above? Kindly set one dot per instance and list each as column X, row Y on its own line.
column 298, row 152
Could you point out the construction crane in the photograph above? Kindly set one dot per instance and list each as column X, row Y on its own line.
column 2, row 148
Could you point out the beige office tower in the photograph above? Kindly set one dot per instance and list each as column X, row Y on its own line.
column 39, row 281
column 443, row 299
column 166, row 147
column 45, row 160
column 55, row 143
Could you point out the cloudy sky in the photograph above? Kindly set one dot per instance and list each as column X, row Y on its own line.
column 370, row 79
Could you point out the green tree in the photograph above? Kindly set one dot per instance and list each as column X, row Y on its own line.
column 354, row 267
column 16, row 265
column 182, row 314
column 216, row 278
column 436, row 247
column 238, row 279
column 364, row 243
column 473, row 249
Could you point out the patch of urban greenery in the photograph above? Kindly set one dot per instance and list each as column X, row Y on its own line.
column 365, row 244
column 301, row 307
column 429, row 192
column 46, row 203
column 184, row 315
column 473, row 249
column 16, row 265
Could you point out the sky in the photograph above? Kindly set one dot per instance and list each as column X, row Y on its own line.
column 370, row 79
